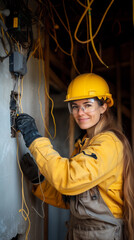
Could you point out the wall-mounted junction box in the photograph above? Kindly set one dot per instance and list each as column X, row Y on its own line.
column 14, row 109
column 17, row 63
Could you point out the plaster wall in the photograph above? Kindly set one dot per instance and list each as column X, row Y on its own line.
column 11, row 221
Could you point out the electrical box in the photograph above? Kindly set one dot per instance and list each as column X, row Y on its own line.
column 14, row 109
column 17, row 63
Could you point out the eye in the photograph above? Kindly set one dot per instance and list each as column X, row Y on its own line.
column 87, row 105
column 74, row 107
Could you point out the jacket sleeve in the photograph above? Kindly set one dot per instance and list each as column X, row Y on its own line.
column 99, row 161
column 49, row 195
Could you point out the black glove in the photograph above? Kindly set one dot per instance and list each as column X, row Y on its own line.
column 27, row 126
column 30, row 169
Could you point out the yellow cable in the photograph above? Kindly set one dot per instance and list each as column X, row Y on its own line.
column 59, row 45
column 25, row 213
column 52, row 102
column 2, row 31
column 69, row 32
column 55, row 37
column 20, row 93
column 35, row 49
column 52, row 16
column 91, row 36
column 41, row 57
column 91, row 61
column 71, row 39
column 82, row 17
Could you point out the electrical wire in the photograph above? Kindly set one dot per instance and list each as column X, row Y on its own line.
column 20, row 92
column 68, row 31
column 24, row 213
column 46, row 91
column 82, row 17
column 88, row 10
column 43, row 201
column 6, row 48
column 55, row 37
column 91, row 36
column 89, row 54
column 71, row 39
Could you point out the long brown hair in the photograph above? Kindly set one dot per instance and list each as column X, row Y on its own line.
column 107, row 123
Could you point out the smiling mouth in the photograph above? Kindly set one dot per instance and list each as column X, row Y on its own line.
column 83, row 119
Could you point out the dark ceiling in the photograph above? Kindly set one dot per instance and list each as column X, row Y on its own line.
column 60, row 19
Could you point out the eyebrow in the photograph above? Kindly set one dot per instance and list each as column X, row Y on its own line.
column 83, row 103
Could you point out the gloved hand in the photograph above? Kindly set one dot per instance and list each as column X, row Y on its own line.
column 27, row 126
column 30, row 169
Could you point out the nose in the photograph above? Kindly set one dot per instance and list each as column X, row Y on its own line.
column 80, row 111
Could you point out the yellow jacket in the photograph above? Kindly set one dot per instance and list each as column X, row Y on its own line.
column 98, row 161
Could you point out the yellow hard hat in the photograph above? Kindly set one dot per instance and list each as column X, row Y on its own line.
column 89, row 85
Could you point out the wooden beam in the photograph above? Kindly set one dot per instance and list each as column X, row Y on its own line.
column 110, row 67
column 57, row 81
column 71, row 120
column 126, row 111
column 59, row 64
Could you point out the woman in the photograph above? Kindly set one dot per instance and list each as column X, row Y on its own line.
column 96, row 183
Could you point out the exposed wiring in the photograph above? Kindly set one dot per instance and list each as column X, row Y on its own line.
column 43, row 201
column 24, row 213
column 71, row 39
column 82, row 17
column 6, row 47
column 20, row 93
column 55, row 37
column 91, row 36
column 89, row 54
column 68, row 31
column 46, row 91
column 91, row 39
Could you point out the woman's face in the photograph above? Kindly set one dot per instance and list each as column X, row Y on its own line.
column 87, row 112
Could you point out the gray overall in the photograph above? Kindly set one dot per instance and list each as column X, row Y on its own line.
column 91, row 219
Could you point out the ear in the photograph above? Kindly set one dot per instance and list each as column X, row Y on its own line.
column 103, row 108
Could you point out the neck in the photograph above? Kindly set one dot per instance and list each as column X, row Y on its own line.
column 90, row 132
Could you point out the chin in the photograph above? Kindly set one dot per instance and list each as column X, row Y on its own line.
column 84, row 127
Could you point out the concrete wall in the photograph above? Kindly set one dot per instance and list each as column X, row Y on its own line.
column 11, row 220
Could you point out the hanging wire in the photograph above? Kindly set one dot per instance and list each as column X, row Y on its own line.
column 25, row 213
column 71, row 39
column 68, row 31
column 88, row 11
column 91, row 36
column 89, row 54
column 82, row 17
column 6, row 45
column 46, row 91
